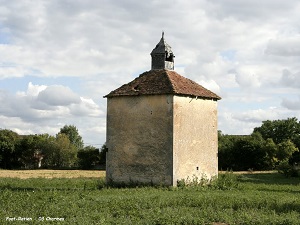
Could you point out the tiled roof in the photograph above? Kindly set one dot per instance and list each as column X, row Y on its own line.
column 158, row 82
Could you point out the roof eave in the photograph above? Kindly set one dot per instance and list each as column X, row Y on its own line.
column 177, row 94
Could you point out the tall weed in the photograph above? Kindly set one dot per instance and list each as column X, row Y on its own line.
column 225, row 181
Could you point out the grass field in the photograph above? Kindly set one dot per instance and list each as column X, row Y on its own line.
column 264, row 198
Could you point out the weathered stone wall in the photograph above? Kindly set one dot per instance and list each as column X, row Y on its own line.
column 195, row 138
column 139, row 139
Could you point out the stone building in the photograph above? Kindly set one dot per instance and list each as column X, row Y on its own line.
column 161, row 127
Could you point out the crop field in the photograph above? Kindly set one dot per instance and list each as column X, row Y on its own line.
column 25, row 174
column 263, row 198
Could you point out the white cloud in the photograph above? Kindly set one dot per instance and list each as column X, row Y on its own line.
column 290, row 79
column 211, row 85
column 7, row 71
column 257, row 115
column 254, row 11
column 43, row 109
column 291, row 104
column 87, row 107
column 32, row 90
column 58, row 95
column 246, row 51
column 233, row 122
column 248, row 78
column 284, row 46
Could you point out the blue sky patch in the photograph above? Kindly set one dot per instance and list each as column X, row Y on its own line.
column 228, row 54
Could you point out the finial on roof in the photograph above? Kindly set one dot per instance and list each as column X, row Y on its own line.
column 163, row 34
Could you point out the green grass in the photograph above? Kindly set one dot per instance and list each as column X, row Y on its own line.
column 253, row 199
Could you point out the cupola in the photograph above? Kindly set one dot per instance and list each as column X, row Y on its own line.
column 162, row 56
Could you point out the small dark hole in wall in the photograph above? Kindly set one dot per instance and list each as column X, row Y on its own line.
column 197, row 168
column 151, row 112
column 136, row 88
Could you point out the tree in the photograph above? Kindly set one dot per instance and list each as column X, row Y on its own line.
column 281, row 130
column 103, row 152
column 88, row 157
column 46, row 148
column 29, row 151
column 286, row 136
column 225, row 150
column 58, row 152
column 8, row 155
column 286, row 150
column 66, row 152
column 271, row 150
column 248, row 153
column 73, row 135
column 243, row 152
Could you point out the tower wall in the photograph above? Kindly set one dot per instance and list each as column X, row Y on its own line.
column 195, row 138
column 140, row 139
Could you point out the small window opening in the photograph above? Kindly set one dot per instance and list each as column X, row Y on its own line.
column 169, row 57
column 197, row 168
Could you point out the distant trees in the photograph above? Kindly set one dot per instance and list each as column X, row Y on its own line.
column 30, row 150
column 242, row 152
column 269, row 146
column 65, row 150
column 273, row 145
column 60, row 153
column 89, row 157
column 280, row 130
column 8, row 153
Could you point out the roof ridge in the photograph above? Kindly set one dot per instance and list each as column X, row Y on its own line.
column 169, row 78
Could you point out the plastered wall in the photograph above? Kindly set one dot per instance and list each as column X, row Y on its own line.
column 160, row 139
column 195, row 138
column 140, row 139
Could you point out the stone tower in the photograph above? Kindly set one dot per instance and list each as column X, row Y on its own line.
column 161, row 127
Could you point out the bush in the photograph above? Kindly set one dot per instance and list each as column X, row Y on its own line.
column 288, row 170
column 88, row 157
column 225, row 181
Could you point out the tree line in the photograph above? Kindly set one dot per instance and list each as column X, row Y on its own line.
column 64, row 150
column 273, row 145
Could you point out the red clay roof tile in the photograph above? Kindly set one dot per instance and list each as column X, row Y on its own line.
column 158, row 82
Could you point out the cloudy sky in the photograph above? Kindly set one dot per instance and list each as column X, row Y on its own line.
column 59, row 58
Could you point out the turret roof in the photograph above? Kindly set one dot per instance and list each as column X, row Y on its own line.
column 162, row 47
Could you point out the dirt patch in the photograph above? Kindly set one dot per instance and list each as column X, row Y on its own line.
column 25, row 174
